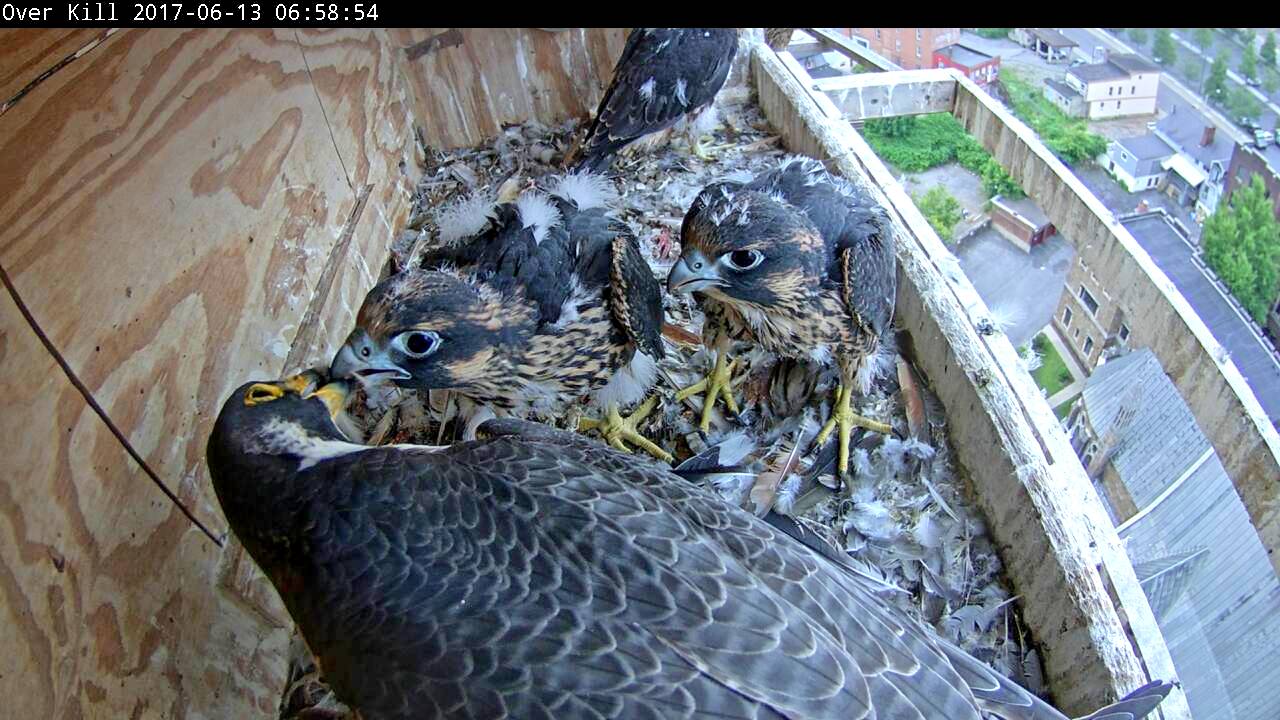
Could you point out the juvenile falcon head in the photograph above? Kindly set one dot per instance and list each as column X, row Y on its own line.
column 426, row 329
column 749, row 250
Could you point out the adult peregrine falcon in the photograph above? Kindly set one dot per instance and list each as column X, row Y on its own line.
column 539, row 575
column 664, row 75
column 800, row 262
column 529, row 306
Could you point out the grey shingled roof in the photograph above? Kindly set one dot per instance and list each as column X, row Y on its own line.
column 1185, row 128
column 1218, row 619
column 1163, row 438
column 1147, row 147
column 966, row 56
column 1175, row 257
column 1062, row 88
column 1133, row 64
column 1098, row 72
column 1027, row 208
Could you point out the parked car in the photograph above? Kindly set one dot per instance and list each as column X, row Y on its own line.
column 1252, row 82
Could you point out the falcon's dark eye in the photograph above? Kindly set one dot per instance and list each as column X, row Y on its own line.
column 745, row 259
column 417, row 343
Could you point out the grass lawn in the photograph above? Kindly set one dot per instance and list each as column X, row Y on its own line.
column 1052, row 375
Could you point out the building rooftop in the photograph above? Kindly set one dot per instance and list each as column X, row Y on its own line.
column 1133, row 64
column 1062, row 88
column 1147, row 147
column 1251, row 353
column 1052, row 37
column 1099, row 72
column 1025, row 207
column 964, row 55
column 1193, row 547
column 1184, row 129
column 1183, row 166
column 1161, row 440
column 1117, row 67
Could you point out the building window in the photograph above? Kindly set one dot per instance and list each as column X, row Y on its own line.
column 877, row 34
column 1066, row 317
column 1117, row 104
column 1134, row 90
column 1110, row 91
column 1124, row 332
column 1087, row 461
column 1088, row 344
column 917, row 51
column 1089, row 302
column 917, row 33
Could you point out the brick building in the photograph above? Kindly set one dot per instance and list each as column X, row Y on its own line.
column 1246, row 162
column 909, row 48
column 1020, row 221
column 974, row 64
column 1089, row 319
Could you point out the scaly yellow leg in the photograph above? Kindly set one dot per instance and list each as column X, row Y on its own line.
column 847, row 420
column 617, row 430
column 715, row 385
column 702, row 148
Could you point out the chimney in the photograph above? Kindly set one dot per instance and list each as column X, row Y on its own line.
column 1207, row 138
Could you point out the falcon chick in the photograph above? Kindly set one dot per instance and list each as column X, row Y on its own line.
column 539, row 574
column 800, row 262
column 664, row 76
column 532, row 305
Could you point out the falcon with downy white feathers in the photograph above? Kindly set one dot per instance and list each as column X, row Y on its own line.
column 528, row 306
column 800, row 262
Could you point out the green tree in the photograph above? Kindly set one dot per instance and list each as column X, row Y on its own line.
column 1270, row 81
column 1138, row 35
column 1242, row 104
column 1242, row 244
column 1249, row 62
column 1203, row 39
column 1215, row 88
column 1269, row 50
column 941, row 210
column 993, row 33
column 1163, row 49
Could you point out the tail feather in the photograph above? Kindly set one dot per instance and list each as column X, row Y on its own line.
column 1137, row 704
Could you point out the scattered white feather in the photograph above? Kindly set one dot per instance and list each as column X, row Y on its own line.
column 682, row 87
column 788, row 491
column 646, row 90
column 630, row 384
column 734, row 447
column 1005, row 316
column 538, row 212
column 584, row 189
column 465, row 218
column 738, row 176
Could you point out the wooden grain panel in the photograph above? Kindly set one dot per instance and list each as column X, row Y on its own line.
column 169, row 237
column 26, row 53
column 107, row 607
column 464, row 92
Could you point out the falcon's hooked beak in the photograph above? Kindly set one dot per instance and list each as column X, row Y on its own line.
column 693, row 272
column 361, row 358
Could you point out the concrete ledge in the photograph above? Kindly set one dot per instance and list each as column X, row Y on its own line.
column 1053, row 532
column 906, row 92
column 837, row 41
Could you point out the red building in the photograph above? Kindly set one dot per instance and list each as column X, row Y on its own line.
column 977, row 66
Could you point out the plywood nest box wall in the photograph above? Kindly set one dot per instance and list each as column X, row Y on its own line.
column 189, row 209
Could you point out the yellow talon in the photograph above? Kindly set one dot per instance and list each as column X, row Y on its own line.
column 715, row 385
column 701, row 148
column 618, row 431
column 847, row 420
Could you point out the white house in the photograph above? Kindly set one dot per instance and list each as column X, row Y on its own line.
column 1121, row 86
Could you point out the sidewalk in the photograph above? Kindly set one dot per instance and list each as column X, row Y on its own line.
column 1066, row 393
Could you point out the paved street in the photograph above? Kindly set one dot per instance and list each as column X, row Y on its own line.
column 1022, row 288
